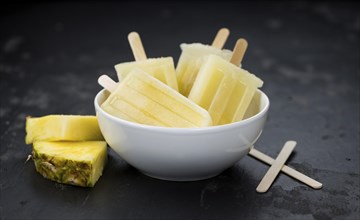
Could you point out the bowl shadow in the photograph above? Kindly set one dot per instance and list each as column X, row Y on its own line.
column 229, row 195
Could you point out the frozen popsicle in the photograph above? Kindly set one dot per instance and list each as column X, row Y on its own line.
column 223, row 88
column 193, row 56
column 143, row 99
column 161, row 68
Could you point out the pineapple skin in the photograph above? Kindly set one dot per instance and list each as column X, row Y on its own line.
column 62, row 128
column 73, row 163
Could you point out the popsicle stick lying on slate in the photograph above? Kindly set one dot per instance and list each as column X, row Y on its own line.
column 287, row 170
column 137, row 46
column 220, row 38
column 275, row 168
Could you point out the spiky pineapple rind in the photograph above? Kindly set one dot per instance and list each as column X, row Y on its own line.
column 68, row 171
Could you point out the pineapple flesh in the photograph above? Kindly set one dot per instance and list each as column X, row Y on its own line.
column 74, row 163
column 62, row 128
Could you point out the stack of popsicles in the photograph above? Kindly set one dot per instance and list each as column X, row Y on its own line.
column 207, row 88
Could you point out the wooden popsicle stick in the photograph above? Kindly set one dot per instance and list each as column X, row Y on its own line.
column 287, row 170
column 275, row 168
column 239, row 51
column 220, row 38
column 106, row 82
column 137, row 46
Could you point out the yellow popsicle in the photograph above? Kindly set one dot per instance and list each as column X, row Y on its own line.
column 224, row 89
column 190, row 61
column 192, row 57
column 143, row 99
column 162, row 68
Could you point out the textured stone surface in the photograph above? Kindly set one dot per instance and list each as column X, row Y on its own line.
column 51, row 55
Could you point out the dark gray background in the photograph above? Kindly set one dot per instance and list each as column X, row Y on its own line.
column 51, row 55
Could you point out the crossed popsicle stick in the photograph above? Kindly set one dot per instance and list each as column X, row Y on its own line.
column 278, row 165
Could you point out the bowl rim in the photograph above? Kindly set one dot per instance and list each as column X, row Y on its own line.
column 215, row 128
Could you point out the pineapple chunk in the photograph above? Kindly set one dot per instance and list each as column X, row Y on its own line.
column 74, row 163
column 62, row 128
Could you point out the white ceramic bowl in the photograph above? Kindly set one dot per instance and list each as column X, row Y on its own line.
column 182, row 154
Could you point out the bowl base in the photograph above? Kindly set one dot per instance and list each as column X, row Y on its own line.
column 181, row 178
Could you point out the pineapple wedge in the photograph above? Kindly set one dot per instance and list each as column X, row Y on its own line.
column 74, row 163
column 62, row 128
